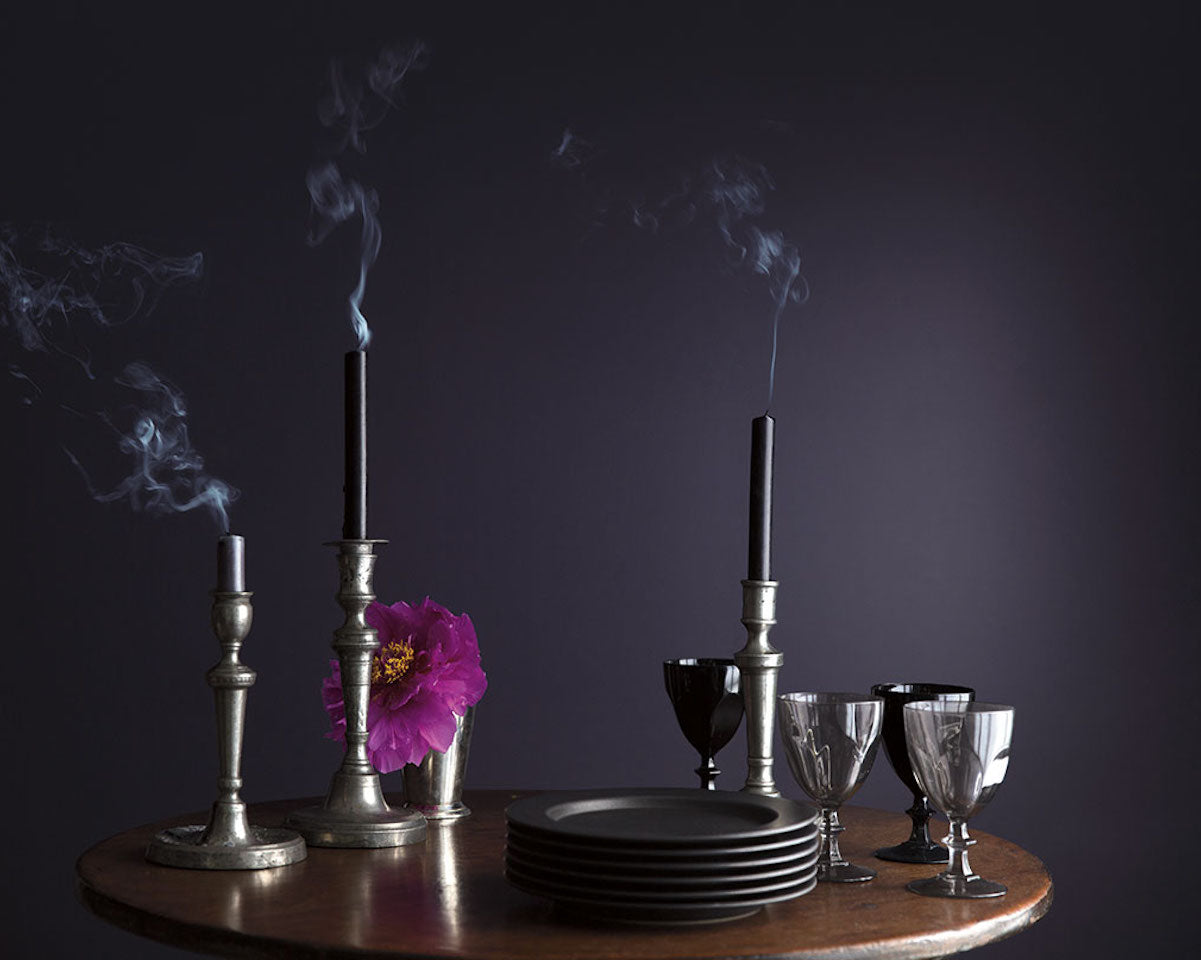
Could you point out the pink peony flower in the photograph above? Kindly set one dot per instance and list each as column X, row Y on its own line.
column 426, row 672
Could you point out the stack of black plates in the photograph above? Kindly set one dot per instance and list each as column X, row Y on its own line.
column 661, row 855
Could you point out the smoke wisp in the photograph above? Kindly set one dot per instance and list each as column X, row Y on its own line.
column 54, row 295
column 731, row 193
column 350, row 109
column 168, row 474
column 51, row 286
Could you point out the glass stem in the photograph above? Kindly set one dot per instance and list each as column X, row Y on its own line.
column 919, row 813
column 708, row 772
column 830, row 855
column 958, row 871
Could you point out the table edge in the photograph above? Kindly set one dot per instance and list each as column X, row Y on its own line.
column 943, row 944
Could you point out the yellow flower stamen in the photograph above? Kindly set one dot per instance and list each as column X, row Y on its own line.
column 392, row 663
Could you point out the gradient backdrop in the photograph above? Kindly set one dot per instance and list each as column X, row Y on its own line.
column 987, row 413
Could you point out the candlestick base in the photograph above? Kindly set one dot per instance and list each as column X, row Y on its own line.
column 193, row 848
column 759, row 663
column 355, row 815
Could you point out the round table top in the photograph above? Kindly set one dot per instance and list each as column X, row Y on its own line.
column 447, row 897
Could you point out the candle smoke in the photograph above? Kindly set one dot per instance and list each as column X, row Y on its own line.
column 571, row 152
column 351, row 108
column 731, row 193
column 168, row 475
column 16, row 372
column 53, row 287
column 55, row 295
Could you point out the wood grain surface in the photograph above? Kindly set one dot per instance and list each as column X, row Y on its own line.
column 448, row 897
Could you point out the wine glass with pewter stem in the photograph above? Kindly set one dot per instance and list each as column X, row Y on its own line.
column 960, row 752
column 830, row 740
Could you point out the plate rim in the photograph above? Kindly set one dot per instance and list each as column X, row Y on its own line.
column 531, row 812
column 715, row 842
column 679, row 851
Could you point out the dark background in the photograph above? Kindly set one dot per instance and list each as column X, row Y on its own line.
column 987, row 413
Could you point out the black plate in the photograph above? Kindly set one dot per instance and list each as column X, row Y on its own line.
column 668, row 818
column 692, row 872
column 549, row 843
column 682, row 888
column 659, row 914
column 619, row 894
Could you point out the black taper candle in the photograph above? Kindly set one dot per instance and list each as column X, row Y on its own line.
column 354, row 516
column 763, row 432
column 231, row 564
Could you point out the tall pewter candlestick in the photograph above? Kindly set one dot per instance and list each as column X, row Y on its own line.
column 354, row 813
column 228, row 841
column 759, row 661
column 760, row 664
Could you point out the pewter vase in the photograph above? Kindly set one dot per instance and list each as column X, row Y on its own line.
column 434, row 787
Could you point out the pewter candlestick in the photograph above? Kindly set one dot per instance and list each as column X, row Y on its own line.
column 760, row 664
column 354, row 813
column 228, row 841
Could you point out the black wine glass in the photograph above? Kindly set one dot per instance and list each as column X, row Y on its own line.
column 919, row 848
column 707, row 696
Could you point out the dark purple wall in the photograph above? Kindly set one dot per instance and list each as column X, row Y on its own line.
column 986, row 452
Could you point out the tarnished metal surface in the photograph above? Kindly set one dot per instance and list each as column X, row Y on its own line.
column 354, row 813
column 760, row 664
column 434, row 787
column 228, row 841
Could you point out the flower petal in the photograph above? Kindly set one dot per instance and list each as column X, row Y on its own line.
column 407, row 718
column 433, row 719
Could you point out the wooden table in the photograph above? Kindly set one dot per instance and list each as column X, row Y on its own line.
column 448, row 898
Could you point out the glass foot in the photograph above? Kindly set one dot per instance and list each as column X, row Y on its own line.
column 912, row 851
column 959, row 888
column 844, row 873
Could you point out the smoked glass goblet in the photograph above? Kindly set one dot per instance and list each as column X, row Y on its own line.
column 830, row 740
column 960, row 752
column 919, row 848
column 707, row 696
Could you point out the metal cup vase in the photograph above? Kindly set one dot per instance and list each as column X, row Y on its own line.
column 434, row 787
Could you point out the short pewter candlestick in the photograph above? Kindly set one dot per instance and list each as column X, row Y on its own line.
column 354, row 813
column 228, row 841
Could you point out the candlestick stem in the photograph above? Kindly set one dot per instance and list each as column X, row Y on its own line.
column 759, row 662
column 354, row 813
